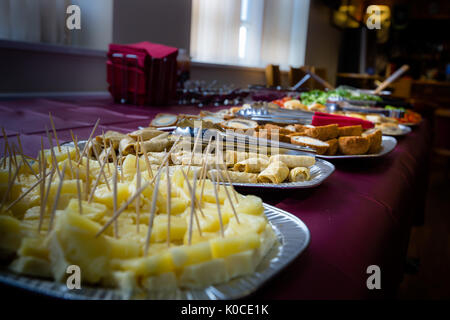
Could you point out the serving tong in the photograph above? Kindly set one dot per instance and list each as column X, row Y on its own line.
column 237, row 139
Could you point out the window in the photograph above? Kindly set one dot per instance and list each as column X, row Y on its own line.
column 45, row 21
column 250, row 33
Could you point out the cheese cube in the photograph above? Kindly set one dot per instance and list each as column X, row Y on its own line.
column 223, row 247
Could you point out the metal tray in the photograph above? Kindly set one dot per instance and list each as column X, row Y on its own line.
column 404, row 131
column 319, row 172
column 293, row 238
column 387, row 145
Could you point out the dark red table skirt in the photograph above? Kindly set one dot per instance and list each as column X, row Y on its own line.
column 360, row 216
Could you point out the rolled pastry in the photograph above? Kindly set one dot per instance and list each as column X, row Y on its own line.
column 252, row 165
column 197, row 160
column 232, row 157
column 299, row 174
column 293, row 161
column 126, row 146
column 146, row 134
column 238, row 177
column 276, row 173
column 156, row 145
column 112, row 137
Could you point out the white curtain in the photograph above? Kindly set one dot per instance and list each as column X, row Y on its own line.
column 275, row 32
column 33, row 20
column 45, row 21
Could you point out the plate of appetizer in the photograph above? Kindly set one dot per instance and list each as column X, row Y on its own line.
column 251, row 168
column 136, row 230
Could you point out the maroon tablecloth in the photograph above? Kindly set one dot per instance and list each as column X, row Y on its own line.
column 360, row 216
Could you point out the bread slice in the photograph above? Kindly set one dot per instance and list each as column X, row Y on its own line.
column 332, row 149
column 322, row 132
column 271, row 135
column 375, row 138
column 352, row 145
column 318, row 145
column 350, row 131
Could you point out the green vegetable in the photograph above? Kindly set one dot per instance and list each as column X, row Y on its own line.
column 319, row 96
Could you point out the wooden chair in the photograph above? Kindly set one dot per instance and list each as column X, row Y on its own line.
column 273, row 76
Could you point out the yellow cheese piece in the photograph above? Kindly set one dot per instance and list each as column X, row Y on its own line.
column 250, row 205
column 223, row 247
column 178, row 227
column 93, row 211
column 34, row 247
column 125, row 281
column 204, row 274
column 74, row 242
column 242, row 263
column 187, row 255
column 247, row 224
column 31, row 266
column 196, row 238
column 10, row 235
column 103, row 195
column 162, row 282
column 146, row 266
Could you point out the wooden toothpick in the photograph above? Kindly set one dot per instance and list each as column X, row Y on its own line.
column 54, row 160
column 191, row 216
column 218, row 206
column 190, row 190
column 205, row 158
column 152, row 214
column 147, row 161
column 122, row 208
column 219, row 173
column 193, row 150
column 90, row 138
column 6, row 149
column 25, row 193
column 55, row 203
column 116, row 225
column 100, row 164
column 102, row 167
column 10, row 185
column 87, row 189
column 54, row 131
column 80, row 204
column 138, row 199
column 41, row 216
column 169, row 202
column 105, row 147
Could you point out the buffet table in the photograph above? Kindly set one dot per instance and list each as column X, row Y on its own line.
column 360, row 216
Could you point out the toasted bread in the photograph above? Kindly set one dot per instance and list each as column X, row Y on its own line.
column 350, row 131
column 375, row 138
column 318, row 145
column 352, row 145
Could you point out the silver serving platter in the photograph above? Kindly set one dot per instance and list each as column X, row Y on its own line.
column 404, row 131
column 293, row 238
column 387, row 145
column 320, row 171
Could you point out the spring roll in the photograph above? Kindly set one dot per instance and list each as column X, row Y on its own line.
column 126, row 146
column 197, row 160
column 238, row 177
column 232, row 157
column 299, row 174
column 294, row 161
column 156, row 145
column 146, row 134
column 112, row 137
column 252, row 165
column 276, row 173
